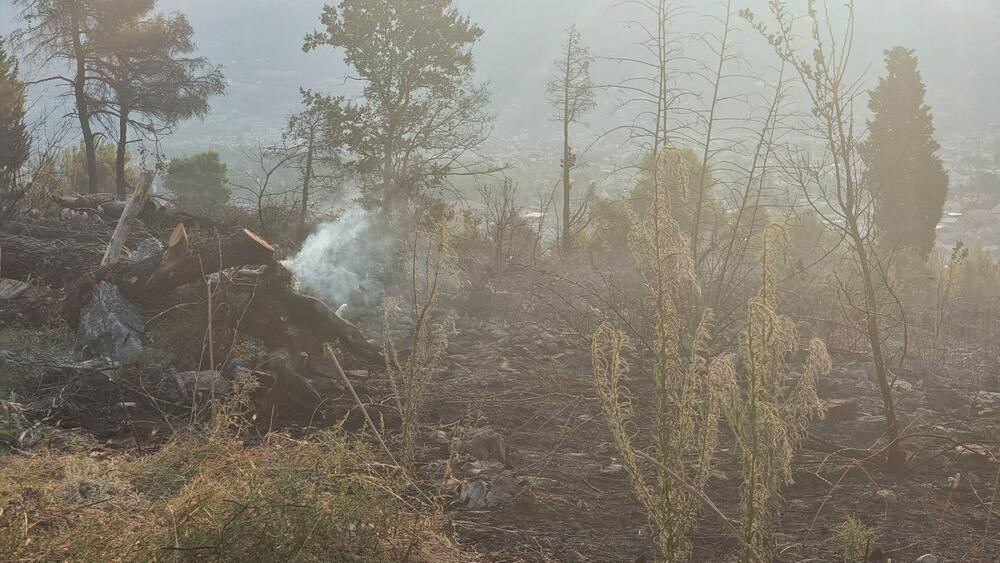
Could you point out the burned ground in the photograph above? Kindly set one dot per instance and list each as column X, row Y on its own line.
column 513, row 443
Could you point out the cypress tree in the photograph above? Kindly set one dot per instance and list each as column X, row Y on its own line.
column 903, row 168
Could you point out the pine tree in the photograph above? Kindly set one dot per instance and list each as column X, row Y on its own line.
column 146, row 78
column 422, row 115
column 14, row 143
column 904, row 170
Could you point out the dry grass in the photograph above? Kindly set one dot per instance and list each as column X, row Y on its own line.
column 207, row 495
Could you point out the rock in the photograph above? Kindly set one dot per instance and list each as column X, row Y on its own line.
column 903, row 386
column 488, row 444
column 478, row 494
column 111, row 326
column 841, row 410
column 438, row 438
column 928, row 558
column 944, row 398
column 888, row 496
column 147, row 249
column 472, row 495
column 613, row 469
column 469, row 468
column 502, row 490
column 198, row 385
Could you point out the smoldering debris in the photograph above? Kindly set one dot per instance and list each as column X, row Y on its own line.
column 340, row 263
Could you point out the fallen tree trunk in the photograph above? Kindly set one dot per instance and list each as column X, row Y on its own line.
column 152, row 213
column 110, row 324
column 55, row 263
column 179, row 264
column 262, row 303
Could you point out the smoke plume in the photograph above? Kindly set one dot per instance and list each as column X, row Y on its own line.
column 340, row 263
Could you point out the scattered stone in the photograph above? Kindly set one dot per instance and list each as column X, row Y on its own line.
column 438, row 437
column 478, row 494
column 472, row 495
column 502, row 490
column 944, row 398
column 488, row 444
column 613, row 469
column 888, row 496
column 841, row 410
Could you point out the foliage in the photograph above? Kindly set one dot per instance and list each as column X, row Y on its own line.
column 610, row 223
column 855, row 540
column 14, row 141
column 768, row 416
column 421, row 114
column 73, row 166
column 689, row 393
column 198, row 181
column 901, row 157
column 144, row 77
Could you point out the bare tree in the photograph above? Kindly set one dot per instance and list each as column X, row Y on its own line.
column 571, row 93
column 314, row 138
column 261, row 188
column 837, row 176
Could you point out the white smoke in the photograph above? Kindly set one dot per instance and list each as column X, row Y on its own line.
column 339, row 263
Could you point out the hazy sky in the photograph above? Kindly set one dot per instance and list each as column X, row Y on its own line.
column 259, row 43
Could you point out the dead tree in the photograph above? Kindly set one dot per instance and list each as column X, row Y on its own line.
column 572, row 94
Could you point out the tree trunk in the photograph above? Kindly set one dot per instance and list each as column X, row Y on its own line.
column 52, row 262
column 895, row 462
column 120, row 188
column 129, row 215
column 305, row 185
column 180, row 264
column 80, row 95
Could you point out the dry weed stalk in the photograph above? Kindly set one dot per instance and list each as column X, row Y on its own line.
column 769, row 418
column 689, row 394
column 430, row 262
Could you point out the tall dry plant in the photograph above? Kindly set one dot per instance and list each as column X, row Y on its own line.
column 429, row 264
column 768, row 415
column 689, row 393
